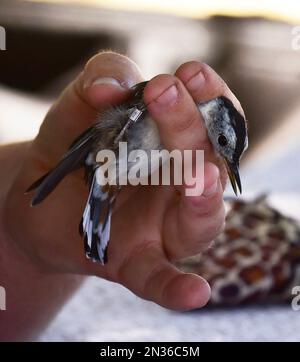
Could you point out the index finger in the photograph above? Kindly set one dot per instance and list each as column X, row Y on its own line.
column 176, row 114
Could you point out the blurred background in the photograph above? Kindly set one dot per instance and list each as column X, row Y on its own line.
column 254, row 46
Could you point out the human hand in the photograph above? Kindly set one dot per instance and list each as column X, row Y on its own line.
column 152, row 226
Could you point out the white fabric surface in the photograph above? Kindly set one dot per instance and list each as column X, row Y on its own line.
column 104, row 311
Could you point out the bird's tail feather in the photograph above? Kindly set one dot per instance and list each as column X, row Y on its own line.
column 96, row 221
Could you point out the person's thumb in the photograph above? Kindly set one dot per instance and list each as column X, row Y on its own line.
column 104, row 81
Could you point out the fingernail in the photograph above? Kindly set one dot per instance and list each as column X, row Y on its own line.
column 104, row 81
column 168, row 97
column 196, row 82
column 211, row 190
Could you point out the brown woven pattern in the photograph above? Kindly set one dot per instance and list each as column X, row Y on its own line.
column 255, row 260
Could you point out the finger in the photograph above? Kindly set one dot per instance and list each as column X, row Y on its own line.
column 105, row 80
column 199, row 218
column 203, row 83
column 175, row 113
column 149, row 275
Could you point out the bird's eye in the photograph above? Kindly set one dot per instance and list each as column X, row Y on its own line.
column 222, row 140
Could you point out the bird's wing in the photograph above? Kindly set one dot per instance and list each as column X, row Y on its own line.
column 96, row 220
column 72, row 160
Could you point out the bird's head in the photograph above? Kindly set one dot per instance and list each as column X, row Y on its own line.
column 227, row 131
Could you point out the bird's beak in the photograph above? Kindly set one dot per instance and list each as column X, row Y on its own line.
column 234, row 176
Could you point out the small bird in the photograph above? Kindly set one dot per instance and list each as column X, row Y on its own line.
column 131, row 123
